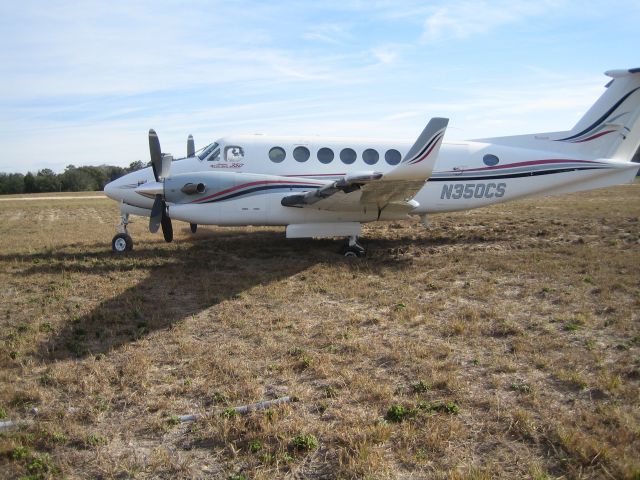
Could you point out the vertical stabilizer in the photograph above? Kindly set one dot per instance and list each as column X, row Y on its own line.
column 609, row 129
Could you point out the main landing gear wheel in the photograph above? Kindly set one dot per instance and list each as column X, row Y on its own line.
column 354, row 249
column 194, row 227
column 121, row 243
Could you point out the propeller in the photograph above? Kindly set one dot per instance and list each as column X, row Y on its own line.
column 191, row 147
column 161, row 165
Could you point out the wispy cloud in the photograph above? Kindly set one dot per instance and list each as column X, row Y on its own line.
column 463, row 19
column 388, row 54
column 331, row 33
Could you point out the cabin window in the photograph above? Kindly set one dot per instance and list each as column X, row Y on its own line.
column 490, row 160
column 301, row 154
column 348, row 155
column 325, row 155
column 392, row 157
column 277, row 154
column 234, row 153
column 370, row 156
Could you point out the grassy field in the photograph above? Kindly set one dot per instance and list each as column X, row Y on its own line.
column 32, row 196
column 499, row 343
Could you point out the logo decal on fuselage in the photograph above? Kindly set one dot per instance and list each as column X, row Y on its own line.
column 227, row 165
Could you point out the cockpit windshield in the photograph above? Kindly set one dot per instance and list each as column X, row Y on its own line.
column 210, row 152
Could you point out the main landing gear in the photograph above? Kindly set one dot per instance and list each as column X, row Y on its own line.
column 122, row 242
column 354, row 249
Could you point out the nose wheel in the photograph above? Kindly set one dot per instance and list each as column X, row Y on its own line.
column 121, row 243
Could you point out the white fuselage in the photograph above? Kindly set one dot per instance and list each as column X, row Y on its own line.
column 467, row 175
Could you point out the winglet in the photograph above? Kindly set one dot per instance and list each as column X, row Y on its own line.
column 419, row 161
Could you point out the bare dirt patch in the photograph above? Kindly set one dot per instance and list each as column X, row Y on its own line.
column 501, row 342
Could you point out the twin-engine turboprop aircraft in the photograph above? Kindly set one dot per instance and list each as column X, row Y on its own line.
column 328, row 187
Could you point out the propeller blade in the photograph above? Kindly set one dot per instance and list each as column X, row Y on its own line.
column 156, row 154
column 165, row 166
column 191, row 147
column 167, row 227
column 156, row 214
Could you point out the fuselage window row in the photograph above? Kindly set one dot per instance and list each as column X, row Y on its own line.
column 326, row 155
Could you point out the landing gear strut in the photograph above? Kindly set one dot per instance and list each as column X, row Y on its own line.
column 122, row 242
column 354, row 249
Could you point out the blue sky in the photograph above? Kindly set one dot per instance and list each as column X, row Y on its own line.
column 82, row 82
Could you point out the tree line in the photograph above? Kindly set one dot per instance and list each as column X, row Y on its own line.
column 73, row 179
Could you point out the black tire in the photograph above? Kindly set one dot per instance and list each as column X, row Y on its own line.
column 355, row 251
column 167, row 227
column 194, row 227
column 121, row 243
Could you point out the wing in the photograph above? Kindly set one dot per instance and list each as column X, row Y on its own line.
column 375, row 189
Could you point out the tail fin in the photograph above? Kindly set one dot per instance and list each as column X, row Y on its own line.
column 609, row 129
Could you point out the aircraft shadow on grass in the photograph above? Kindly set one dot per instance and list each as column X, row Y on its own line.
column 201, row 272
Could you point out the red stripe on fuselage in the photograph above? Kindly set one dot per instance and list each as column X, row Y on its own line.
column 317, row 175
column 251, row 184
column 528, row 163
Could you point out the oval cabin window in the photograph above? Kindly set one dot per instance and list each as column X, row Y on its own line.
column 490, row 160
column 325, row 155
column 370, row 156
column 277, row 154
column 392, row 157
column 348, row 155
column 301, row 154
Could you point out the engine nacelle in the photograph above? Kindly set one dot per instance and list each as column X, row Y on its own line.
column 199, row 186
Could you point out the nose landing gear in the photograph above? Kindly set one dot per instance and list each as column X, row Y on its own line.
column 122, row 241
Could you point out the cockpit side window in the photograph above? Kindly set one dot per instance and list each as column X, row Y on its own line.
column 234, row 153
column 215, row 155
column 210, row 152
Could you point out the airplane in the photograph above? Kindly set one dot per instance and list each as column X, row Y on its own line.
column 328, row 186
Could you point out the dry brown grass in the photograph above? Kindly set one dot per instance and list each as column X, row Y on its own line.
column 524, row 316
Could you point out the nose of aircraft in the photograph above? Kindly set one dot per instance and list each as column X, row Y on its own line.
column 110, row 190
column 123, row 189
